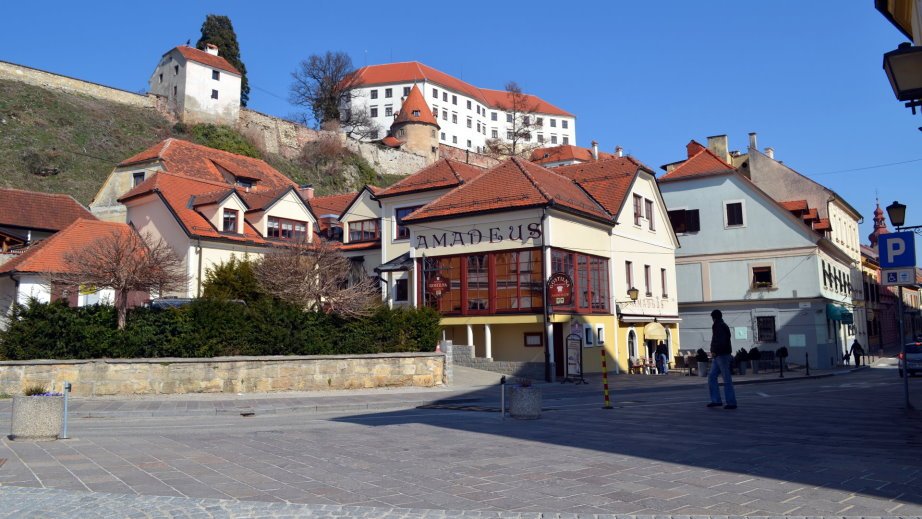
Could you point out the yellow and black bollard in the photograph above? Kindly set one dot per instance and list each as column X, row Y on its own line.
column 605, row 382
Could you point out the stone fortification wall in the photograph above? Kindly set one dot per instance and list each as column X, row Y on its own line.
column 477, row 159
column 279, row 136
column 386, row 160
column 50, row 81
column 104, row 377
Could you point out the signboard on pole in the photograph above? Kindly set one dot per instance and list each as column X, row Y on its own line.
column 898, row 277
column 574, row 353
column 897, row 250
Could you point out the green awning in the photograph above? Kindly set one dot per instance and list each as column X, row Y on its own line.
column 838, row 313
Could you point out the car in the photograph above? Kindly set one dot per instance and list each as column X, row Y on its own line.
column 912, row 363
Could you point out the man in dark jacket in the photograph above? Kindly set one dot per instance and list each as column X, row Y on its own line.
column 721, row 361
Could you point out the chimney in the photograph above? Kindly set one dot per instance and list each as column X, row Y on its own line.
column 211, row 49
column 308, row 191
column 770, row 152
column 595, row 150
column 619, row 151
column 718, row 146
column 753, row 144
column 692, row 148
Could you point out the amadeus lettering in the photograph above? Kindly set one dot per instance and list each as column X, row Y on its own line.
column 521, row 233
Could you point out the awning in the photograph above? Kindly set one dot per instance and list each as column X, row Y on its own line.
column 654, row 332
column 838, row 313
column 402, row 263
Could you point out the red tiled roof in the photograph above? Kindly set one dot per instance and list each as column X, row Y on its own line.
column 811, row 214
column 415, row 110
column 362, row 245
column 44, row 211
column 564, row 153
column 391, row 142
column 179, row 192
column 49, row 255
column 201, row 162
column 822, row 225
column 414, row 71
column 200, row 56
column 442, row 174
column 513, row 184
column 606, row 180
column 332, row 204
column 795, row 205
column 703, row 163
column 500, row 98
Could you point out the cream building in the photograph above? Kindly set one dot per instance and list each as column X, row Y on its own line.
column 199, row 86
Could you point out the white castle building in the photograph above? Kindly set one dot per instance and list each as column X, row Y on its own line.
column 199, row 86
column 467, row 116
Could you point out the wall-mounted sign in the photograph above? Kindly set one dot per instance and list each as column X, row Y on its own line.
column 437, row 285
column 521, row 233
column 560, row 289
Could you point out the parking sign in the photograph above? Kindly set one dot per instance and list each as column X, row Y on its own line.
column 896, row 250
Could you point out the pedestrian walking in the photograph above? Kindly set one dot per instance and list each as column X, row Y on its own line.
column 662, row 359
column 721, row 361
column 857, row 351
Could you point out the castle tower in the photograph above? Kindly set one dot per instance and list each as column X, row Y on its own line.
column 198, row 85
column 880, row 226
column 415, row 126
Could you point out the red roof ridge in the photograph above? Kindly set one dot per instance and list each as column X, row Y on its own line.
column 27, row 256
column 531, row 178
column 415, row 103
column 205, row 58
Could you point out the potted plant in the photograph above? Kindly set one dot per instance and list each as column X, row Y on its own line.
column 742, row 358
column 754, row 357
column 38, row 415
column 525, row 401
column 702, row 358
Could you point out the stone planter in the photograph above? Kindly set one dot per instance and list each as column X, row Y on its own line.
column 525, row 402
column 38, row 418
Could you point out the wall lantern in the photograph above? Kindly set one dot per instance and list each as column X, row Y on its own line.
column 897, row 213
column 904, row 70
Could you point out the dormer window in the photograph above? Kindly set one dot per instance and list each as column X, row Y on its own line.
column 288, row 230
column 137, row 178
column 416, row 113
column 230, row 220
column 244, row 182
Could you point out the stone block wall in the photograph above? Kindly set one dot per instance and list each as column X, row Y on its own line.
column 50, row 81
column 105, row 377
column 386, row 160
column 463, row 355
column 477, row 159
column 279, row 136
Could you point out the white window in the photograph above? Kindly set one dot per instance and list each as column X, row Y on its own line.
column 435, row 93
column 632, row 344
column 388, row 92
column 373, row 111
column 553, row 123
column 588, row 335
column 638, row 209
column 762, row 275
column 493, row 116
column 600, row 334
column 454, row 139
column 406, row 91
column 388, row 111
column 648, row 206
column 214, row 94
column 564, row 123
column 494, row 133
column 734, row 213
column 553, row 139
column 215, row 75
column 566, row 139
column 374, row 94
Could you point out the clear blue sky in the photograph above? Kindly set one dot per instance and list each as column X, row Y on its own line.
column 649, row 76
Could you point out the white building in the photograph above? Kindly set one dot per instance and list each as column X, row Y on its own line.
column 468, row 116
column 199, row 86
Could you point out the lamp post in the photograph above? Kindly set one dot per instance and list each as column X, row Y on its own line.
column 897, row 213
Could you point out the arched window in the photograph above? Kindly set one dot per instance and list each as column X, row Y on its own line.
column 631, row 344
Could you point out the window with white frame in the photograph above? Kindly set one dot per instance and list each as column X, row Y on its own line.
column 588, row 335
column 648, row 280
column 648, row 209
column 762, row 276
column 664, row 282
column 600, row 334
column 629, row 274
column 638, row 209
column 631, row 344
column 734, row 213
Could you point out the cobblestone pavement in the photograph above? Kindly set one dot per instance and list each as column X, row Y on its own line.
column 836, row 446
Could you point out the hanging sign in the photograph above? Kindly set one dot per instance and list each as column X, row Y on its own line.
column 437, row 285
column 560, row 289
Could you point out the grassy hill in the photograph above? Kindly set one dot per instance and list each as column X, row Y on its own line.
column 58, row 142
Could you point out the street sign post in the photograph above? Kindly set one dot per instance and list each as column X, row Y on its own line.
column 897, row 256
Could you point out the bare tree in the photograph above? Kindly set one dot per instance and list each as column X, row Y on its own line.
column 317, row 276
column 522, row 120
column 125, row 262
column 325, row 84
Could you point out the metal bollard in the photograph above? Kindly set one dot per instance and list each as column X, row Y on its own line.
column 605, row 382
column 63, row 435
column 502, row 398
column 807, row 355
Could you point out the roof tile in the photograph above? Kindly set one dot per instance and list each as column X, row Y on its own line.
column 44, row 211
column 200, row 56
column 702, row 164
column 442, row 174
column 50, row 254
column 415, row 110
column 565, row 152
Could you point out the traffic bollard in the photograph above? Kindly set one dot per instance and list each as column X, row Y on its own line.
column 605, row 382
column 63, row 435
column 502, row 398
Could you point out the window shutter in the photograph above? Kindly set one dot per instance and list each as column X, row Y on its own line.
column 678, row 220
column 692, row 224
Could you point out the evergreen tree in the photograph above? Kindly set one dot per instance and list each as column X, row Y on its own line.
column 218, row 31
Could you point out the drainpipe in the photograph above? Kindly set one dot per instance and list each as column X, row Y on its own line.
column 198, row 288
column 549, row 367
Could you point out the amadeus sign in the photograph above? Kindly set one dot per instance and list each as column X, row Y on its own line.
column 475, row 236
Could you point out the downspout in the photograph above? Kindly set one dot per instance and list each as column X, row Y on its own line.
column 549, row 372
column 198, row 289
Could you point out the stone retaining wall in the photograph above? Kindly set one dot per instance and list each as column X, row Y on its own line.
column 51, row 81
column 104, row 377
column 463, row 355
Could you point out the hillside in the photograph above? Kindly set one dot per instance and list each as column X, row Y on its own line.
column 68, row 143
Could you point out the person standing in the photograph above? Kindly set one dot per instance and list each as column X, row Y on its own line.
column 721, row 361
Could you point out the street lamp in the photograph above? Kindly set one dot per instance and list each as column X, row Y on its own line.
column 897, row 213
column 633, row 293
column 904, row 70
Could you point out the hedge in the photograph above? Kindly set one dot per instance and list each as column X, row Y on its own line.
column 210, row 328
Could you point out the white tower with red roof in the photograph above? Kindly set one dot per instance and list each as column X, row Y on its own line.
column 199, row 85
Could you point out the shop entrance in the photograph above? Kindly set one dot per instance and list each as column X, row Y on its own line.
column 560, row 360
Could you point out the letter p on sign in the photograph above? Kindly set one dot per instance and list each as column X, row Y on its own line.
column 897, row 250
